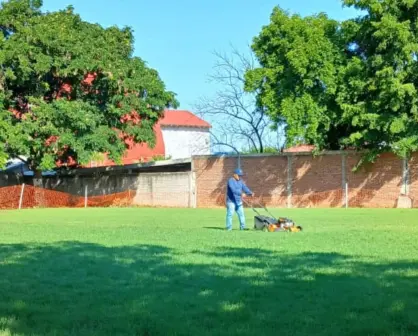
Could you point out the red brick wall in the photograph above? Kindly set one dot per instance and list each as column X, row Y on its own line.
column 375, row 185
column 413, row 169
column 265, row 176
column 316, row 181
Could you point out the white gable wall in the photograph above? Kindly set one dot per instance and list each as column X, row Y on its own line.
column 183, row 142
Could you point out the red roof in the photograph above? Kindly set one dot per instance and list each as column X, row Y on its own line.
column 182, row 118
column 142, row 152
column 138, row 153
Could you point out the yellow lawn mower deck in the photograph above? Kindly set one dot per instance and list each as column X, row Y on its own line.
column 271, row 224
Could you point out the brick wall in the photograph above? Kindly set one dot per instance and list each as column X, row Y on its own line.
column 375, row 185
column 265, row 176
column 295, row 179
column 313, row 181
column 316, row 182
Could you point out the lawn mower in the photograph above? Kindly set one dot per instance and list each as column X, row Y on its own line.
column 272, row 224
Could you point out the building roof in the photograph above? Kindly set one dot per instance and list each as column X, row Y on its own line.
column 182, row 118
column 158, row 166
column 17, row 166
column 137, row 153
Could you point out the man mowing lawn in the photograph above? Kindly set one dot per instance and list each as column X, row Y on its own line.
column 235, row 190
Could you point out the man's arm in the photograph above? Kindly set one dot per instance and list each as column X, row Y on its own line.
column 246, row 189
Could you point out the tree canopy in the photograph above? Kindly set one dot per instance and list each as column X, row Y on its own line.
column 336, row 85
column 70, row 89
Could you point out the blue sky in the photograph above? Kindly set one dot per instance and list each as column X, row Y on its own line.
column 178, row 37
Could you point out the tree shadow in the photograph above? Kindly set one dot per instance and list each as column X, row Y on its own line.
column 265, row 176
column 74, row 288
column 376, row 184
column 316, row 181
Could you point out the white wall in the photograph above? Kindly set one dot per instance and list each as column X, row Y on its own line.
column 183, row 142
column 165, row 189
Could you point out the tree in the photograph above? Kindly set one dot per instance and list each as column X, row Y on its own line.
column 237, row 121
column 379, row 95
column 70, row 89
column 297, row 80
column 342, row 85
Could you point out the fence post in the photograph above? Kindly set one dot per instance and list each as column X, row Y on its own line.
column 405, row 176
column 192, row 190
column 344, row 180
column 289, row 180
column 346, row 195
column 21, row 196
column 152, row 191
column 85, row 195
column 193, row 187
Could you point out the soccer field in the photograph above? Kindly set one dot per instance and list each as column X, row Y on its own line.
column 177, row 272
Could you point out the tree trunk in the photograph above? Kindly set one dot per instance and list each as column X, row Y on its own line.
column 39, row 190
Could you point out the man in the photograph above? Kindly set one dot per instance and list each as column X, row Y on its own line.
column 235, row 190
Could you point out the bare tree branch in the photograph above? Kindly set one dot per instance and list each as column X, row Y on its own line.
column 222, row 143
column 236, row 119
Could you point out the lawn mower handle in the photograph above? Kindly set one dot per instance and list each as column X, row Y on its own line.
column 260, row 206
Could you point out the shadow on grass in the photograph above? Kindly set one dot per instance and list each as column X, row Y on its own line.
column 73, row 288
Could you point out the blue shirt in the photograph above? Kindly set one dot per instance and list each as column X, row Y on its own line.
column 234, row 191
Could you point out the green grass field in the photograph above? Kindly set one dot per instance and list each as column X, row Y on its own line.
column 176, row 272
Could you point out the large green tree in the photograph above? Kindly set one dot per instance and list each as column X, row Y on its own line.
column 378, row 94
column 297, row 79
column 70, row 89
column 342, row 84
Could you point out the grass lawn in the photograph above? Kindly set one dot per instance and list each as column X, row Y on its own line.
column 176, row 272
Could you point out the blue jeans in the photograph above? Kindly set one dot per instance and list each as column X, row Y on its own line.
column 230, row 209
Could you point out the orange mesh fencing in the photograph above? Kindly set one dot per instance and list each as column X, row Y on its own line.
column 9, row 197
column 34, row 197
column 120, row 199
